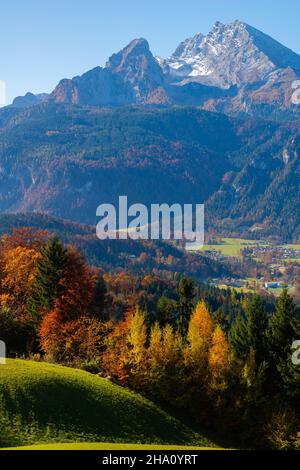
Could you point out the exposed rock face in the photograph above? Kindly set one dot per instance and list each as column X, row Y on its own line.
column 257, row 69
column 235, row 69
column 136, row 66
column 233, row 54
column 130, row 76
column 98, row 87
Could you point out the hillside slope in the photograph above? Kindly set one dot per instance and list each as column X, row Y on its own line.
column 43, row 403
column 66, row 160
column 116, row 255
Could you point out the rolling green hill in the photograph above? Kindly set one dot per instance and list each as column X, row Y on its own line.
column 108, row 446
column 43, row 404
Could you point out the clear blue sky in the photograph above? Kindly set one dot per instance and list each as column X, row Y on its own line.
column 43, row 41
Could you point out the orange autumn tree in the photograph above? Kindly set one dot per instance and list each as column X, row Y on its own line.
column 19, row 254
column 52, row 337
column 77, row 288
column 19, row 265
column 57, row 331
column 125, row 357
column 24, row 237
column 79, row 341
column 116, row 360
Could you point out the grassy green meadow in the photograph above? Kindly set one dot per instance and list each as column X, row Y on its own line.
column 107, row 446
column 233, row 246
column 230, row 246
column 58, row 407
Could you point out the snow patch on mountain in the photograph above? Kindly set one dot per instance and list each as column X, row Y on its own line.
column 230, row 55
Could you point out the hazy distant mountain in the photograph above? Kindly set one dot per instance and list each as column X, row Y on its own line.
column 28, row 100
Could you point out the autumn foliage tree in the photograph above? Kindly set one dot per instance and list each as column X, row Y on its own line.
column 18, row 276
column 218, row 359
column 155, row 353
column 116, row 359
column 72, row 308
column 19, row 257
column 137, row 349
column 23, row 237
column 166, row 364
column 81, row 341
column 226, row 362
column 199, row 335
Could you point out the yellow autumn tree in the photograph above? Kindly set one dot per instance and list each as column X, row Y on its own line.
column 155, row 360
column 137, row 340
column 165, row 363
column 138, row 335
column 168, row 344
column 199, row 334
column 155, row 347
column 219, row 359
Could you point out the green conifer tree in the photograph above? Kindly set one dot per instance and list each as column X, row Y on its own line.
column 238, row 337
column 249, row 332
column 50, row 270
column 99, row 309
column 284, row 329
column 186, row 291
column 257, row 323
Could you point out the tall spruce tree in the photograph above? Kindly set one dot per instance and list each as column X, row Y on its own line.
column 166, row 311
column 284, row 329
column 99, row 309
column 249, row 332
column 186, row 291
column 238, row 337
column 50, row 270
column 257, row 323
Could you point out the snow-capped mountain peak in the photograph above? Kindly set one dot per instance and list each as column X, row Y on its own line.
column 235, row 69
column 230, row 54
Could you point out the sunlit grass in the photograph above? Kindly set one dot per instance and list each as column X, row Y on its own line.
column 47, row 404
column 108, row 446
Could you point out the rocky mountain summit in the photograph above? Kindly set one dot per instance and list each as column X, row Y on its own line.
column 234, row 69
column 230, row 55
column 130, row 76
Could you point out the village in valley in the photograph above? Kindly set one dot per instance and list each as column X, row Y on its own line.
column 267, row 265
